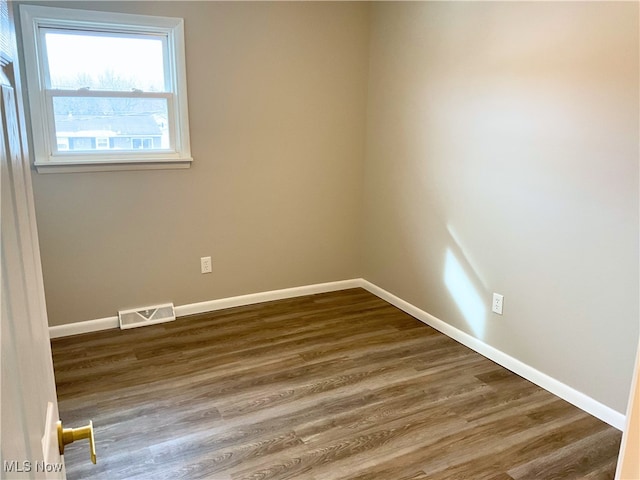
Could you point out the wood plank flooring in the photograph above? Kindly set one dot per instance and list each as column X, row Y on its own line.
column 332, row 386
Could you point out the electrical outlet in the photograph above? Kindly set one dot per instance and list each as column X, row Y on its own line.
column 205, row 265
column 496, row 306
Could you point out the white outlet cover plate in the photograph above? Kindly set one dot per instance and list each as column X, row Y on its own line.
column 205, row 264
column 496, row 305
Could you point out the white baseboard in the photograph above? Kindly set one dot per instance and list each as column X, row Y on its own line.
column 571, row 395
column 579, row 399
column 241, row 300
column 210, row 306
column 86, row 326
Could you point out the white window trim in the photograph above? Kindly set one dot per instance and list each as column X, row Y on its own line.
column 32, row 19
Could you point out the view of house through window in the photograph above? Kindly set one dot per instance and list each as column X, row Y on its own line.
column 106, row 90
column 95, row 84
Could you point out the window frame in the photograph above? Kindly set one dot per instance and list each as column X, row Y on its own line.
column 36, row 21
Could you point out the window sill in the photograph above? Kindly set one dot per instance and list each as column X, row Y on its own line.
column 110, row 166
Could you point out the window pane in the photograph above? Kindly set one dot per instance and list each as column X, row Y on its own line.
column 90, row 123
column 102, row 143
column 101, row 61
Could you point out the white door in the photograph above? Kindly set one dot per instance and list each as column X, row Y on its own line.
column 28, row 406
column 629, row 459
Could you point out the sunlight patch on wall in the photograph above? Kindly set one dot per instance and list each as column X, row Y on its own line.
column 465, row 295
column 459, row 246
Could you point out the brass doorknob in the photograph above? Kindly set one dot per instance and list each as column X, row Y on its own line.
column 70, row 435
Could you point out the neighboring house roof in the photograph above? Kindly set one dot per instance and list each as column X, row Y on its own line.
column 108, row 126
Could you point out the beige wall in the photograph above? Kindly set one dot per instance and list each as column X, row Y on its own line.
column 277, row 116
column 502, row 156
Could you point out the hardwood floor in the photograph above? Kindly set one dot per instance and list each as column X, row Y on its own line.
column 332, row 386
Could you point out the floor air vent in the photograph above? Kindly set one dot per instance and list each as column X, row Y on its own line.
column 139, row 317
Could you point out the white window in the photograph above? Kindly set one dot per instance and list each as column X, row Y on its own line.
column 102, row 143
column 63, row 143
column 144, row 142
column 106, row 90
